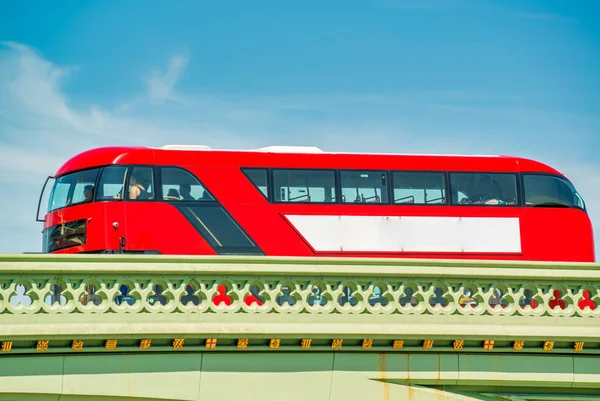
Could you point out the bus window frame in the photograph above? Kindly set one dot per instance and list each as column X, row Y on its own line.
column 447, row 174
column 517, row 189
column 339, row 188
column 72, row 188
column 159, row 185
column 37, row 216
column 335, row 186
column 446, row 188
column 267, row 170
column 130, row 169
column 519, row 198
column 127, row 170
column 554, row 175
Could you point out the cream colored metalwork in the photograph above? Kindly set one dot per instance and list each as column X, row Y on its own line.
column 298, row 294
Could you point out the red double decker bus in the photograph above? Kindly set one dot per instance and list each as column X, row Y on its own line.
column 288, row 201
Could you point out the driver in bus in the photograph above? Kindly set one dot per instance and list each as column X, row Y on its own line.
column 88, row 193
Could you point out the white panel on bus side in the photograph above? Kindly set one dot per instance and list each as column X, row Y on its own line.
column 409, row 234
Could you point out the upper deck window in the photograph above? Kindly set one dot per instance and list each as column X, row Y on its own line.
column 178, row 184
column 73, row 189
column 141, row 184
column 497, row 189
column 112, row 183
column 315, row 186
column 419, row 188
column 364, row 186
column 550, row 191
column 258, row 177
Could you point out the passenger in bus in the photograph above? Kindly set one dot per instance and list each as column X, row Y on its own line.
column 484, row 190
column 148, row 192
column 136, row 189
column 489, row 194
column 173, row 194
column 185, row 190
column 88, row 193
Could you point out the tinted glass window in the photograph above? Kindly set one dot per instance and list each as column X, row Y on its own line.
column 73, row 189
column 64, row 236
column 218, row 229
column 364, row 187
column 112, row 183
column 419, row 188
column 258, row 178
column 179, row 184
column 547, row 190
column 484, row 188
column 58, row 195
column 304, row 186
column 141, row 184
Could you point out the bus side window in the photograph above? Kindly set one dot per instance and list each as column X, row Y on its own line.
column 491, row 189
column 141, row 184
column 313, row 186
column 364, row 186
column 180, row 185
column 419, row 188
column 258, row 177
column 112, row 183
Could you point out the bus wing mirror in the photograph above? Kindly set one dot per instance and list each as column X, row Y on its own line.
column 37, row 216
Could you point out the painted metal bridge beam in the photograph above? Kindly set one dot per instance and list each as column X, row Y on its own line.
column 324, row 376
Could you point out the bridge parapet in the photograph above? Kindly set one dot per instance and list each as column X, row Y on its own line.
column 125, row 303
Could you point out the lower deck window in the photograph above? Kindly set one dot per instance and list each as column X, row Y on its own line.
column 64, row 236
column 218, row 229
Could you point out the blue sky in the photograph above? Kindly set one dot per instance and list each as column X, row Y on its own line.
column 448, row 76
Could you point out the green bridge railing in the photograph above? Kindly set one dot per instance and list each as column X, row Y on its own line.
column 102, row 303
column 119, row 328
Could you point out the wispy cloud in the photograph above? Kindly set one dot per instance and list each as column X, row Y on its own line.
column 34, row 75
column 161, row 85
column 41, row 126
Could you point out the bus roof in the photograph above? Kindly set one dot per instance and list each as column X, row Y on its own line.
column 300, row 149
column 295, row 157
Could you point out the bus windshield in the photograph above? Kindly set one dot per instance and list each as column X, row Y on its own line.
column 549, row 190
column 73, row 189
